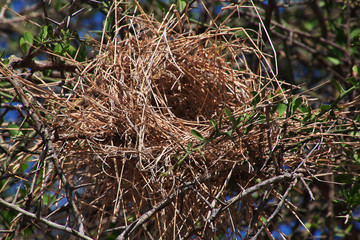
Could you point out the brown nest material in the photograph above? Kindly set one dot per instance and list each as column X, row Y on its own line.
column 132, row 112
column 161, row 109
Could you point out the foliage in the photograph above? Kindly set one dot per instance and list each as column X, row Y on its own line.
column 283, row 158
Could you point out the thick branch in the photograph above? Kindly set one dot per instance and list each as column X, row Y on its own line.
column 43, row 65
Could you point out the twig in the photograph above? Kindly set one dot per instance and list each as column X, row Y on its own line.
column 255, row 216
column 213, row 203
column 250, row 190
column 307, row 188
column 28, row 59
column 146, row 216
column 47, row 137
column 44, row 220
column 277, row 210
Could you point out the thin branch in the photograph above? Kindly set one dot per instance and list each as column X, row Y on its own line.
column 307, row 188
column 146, row 216
column 277, row 210
column 44, row 220
column 250, row 190
column 28, row 59
column 48, row 138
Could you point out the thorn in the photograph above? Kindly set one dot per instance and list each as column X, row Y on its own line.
column 76, row 13
column 53, row 21
column 68, row 22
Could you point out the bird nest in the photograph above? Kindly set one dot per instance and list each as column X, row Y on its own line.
column 167, row 120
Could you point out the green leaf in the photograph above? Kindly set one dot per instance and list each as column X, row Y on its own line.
column 337, row 85
column 296, row 103
column 28, row 38
column 59, row 49
column 229, row 114
column 213, row 122
column 355, row 70
column 25, row 42
column 110, row 23
column 325, row 108
column 304, row 109
column 220, row 121
column 23, row 45
column 333, row 60
column 161, row 6
column 71, row 50
column 281, row 109
column 2, row 53
column 181, row 5
column 197, row 135
column 352, row 81
column 50, row 32
column 14, row 130
column 43, row 32
column 81, row 55
column 256, row 98
column 248, row 129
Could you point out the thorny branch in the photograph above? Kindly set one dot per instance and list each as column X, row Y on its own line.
column 48, row 138
column 28, row 59
column 277, row 210
column 44, row 220
column 146, row 216
column 250, row 190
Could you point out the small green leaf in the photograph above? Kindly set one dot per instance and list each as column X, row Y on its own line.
column 220, row 121
column 355, row 70
column 281, row 109
column 110, row 23
column 352, row 81
column 213, row 122
column 333, row 60
column 325, row 108
column 59, row 49
column 5, row 62
column 28, row 38
column 181, row 5
column 197, row 135
column 296, row 103
column 2, row 53
column 337, row 85
column 25, row 42
column 14, row 129
column 161, row 6
column 81, row 55
column 229, row 114
column 43, row 32
column 71, row 50
column 304, row 109
column 50, row 31
column 256, row 98
column 248, row 129
column 23, row 45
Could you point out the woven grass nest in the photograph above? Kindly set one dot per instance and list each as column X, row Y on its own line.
column 140, row 117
